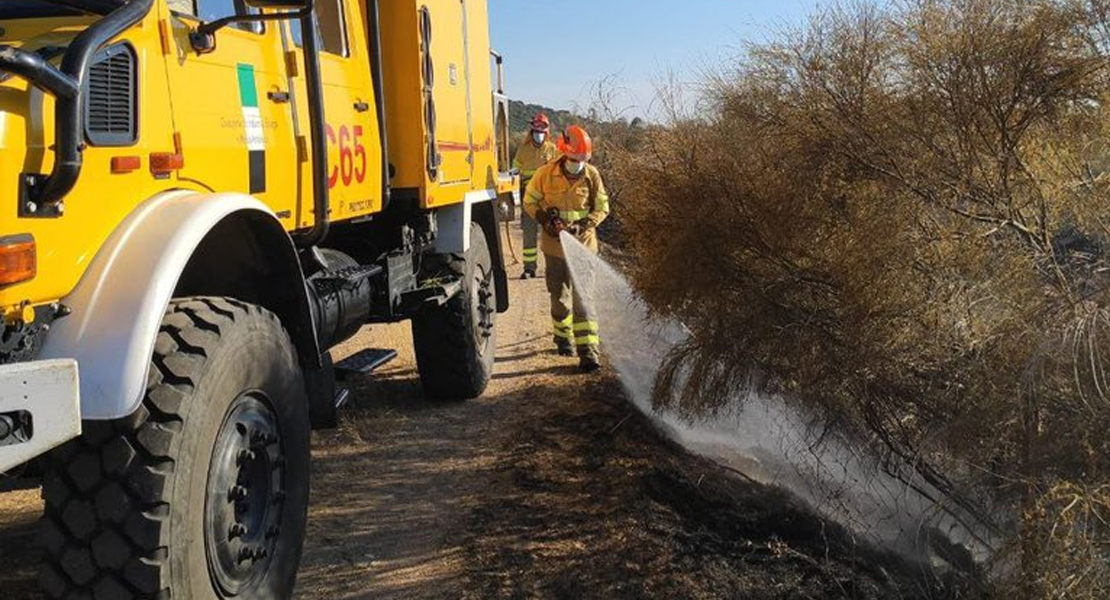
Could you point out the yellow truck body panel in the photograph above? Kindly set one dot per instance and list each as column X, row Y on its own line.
column 439, row 94
column 237, row 120
column 100, row 199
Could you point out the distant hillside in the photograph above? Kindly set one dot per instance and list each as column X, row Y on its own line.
column 521, row 113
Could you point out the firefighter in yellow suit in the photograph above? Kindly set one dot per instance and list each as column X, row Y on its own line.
column 568, row 195
column 535, row 151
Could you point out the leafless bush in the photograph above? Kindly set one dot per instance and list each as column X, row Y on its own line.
column 899, row 215
column 617, row 130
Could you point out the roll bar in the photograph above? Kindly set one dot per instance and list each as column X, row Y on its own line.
column 42, row 195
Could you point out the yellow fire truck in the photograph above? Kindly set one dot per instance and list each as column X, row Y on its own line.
column 198, row 200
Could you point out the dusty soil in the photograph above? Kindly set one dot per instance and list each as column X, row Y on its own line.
column 551, row 486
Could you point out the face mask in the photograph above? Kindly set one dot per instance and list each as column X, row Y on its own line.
column 539, row 138
column 574, row 167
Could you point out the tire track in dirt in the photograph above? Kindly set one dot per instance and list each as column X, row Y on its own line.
column 395, row 487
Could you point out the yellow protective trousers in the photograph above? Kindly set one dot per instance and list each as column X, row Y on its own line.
column 531, row 231
column 572, row 307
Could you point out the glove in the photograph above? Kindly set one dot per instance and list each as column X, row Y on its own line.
column 552, row 224
column 579, row 227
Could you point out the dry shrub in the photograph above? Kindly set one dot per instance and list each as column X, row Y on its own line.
column 1068, row 531
column 898, row 216
column 610, row 120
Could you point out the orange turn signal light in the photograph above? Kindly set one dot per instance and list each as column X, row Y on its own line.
column 164, row 163
column 18, row 259
column 126, row 164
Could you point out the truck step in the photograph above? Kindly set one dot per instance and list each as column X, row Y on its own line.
column 364, row 362
column 432, row 295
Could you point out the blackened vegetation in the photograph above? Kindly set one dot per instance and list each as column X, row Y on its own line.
column 592, row 502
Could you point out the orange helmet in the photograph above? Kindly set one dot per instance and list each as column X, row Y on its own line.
column 541, row 123
column 576, row 144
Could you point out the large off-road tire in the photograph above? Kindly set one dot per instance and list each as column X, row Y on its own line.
column 455, row 344
column 202, row 494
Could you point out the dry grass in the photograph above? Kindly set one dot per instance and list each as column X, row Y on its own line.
column 899, row 217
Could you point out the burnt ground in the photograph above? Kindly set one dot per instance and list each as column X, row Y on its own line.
column 551, row 486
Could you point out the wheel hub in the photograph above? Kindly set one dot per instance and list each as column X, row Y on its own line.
column 245, row 496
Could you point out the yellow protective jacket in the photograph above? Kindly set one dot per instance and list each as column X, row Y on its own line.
column 529, row 157
column 578, row 199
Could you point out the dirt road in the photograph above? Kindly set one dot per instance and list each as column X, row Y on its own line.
column 551, row 486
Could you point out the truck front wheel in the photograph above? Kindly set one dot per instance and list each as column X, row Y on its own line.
column 455, row 344
column 203, row 492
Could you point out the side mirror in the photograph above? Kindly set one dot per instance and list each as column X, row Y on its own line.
column 203, row 39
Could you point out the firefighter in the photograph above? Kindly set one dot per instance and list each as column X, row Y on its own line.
column 568, row 195
column 535, row 151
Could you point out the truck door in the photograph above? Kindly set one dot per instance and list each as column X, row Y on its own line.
column 231, row 107
column 444, row 33
column 354, row 147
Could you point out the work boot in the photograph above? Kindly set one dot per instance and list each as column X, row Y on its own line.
column 564, row 347
column 589, row 360
column 529, row 273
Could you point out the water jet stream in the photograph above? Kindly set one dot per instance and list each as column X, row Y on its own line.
column 761, row 436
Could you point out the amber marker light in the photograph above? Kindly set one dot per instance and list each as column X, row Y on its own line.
column 18, row 262
column 164, row 163
column 126, row 164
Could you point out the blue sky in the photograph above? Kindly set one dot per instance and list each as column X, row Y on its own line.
column 556, row 49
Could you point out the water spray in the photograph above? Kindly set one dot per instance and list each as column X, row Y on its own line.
column 762, row 436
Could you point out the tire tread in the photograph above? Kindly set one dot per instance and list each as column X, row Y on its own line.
column 103, row 551
column 449, row 363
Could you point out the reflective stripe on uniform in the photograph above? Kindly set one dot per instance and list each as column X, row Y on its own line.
column 586, row 333
column 531, row 252
column 563, row 329
column 533, row 197
column 587, row 340
column 602, row 204
column 571, row 216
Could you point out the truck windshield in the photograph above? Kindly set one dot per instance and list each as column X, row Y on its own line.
column 27, row 9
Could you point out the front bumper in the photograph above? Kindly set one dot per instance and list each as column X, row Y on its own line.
column 48, row 392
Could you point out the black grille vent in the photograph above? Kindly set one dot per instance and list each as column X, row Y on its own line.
column 111, row 118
